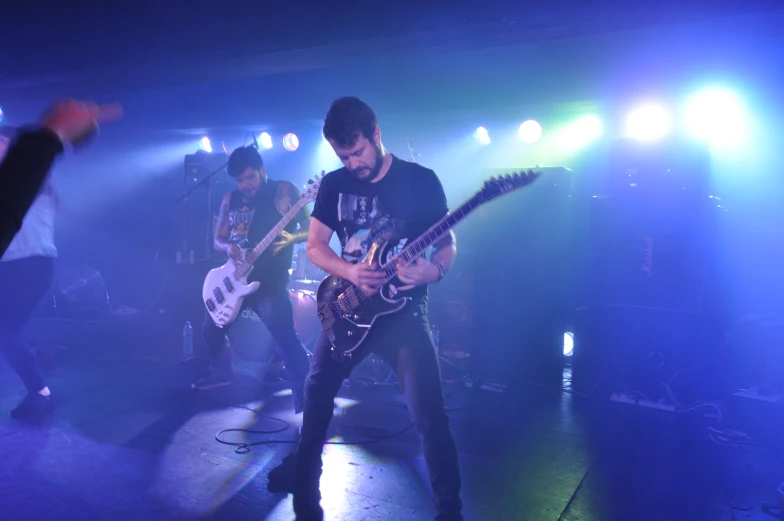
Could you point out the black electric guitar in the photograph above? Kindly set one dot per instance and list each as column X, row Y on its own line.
column 347, row 314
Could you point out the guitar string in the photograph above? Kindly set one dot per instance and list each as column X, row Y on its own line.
column 305, row 199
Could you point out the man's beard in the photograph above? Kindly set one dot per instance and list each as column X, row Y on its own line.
column 375, row 170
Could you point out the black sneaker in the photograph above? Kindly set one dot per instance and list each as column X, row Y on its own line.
column 33, row 407
column 213, row 381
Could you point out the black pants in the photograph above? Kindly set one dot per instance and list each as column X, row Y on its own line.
column 274, row 308
column 23, row 282
column 404, row 341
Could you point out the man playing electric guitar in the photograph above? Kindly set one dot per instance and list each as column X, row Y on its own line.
column 377, row 193
column 246, row 215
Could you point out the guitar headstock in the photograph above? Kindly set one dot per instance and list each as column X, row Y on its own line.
column 311, row 190
column 496, row 186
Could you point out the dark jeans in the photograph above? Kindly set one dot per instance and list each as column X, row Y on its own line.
column 404, row 341
column 24, row 283
column 274, row 308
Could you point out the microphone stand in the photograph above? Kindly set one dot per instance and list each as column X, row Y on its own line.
column 184, row 197
column 414, row 155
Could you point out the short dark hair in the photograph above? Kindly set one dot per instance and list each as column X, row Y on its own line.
column 348, row 117
column 241, row 159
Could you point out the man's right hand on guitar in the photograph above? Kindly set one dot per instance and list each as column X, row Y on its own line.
column 366, row 277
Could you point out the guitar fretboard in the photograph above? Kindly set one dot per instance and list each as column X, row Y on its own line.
column 430, row 236
column 251, row 257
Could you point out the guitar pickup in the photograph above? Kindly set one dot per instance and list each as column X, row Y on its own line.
column 218, row 295
column 228, row 284
column 210, row 304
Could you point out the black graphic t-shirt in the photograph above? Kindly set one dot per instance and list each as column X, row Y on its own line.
column 405, row 202
column 249, row 223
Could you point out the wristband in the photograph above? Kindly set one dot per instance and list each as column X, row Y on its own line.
column 440, row 272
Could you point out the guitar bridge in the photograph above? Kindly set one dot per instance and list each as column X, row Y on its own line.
column 343, row 306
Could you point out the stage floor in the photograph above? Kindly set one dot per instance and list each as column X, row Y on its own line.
column 131, row 441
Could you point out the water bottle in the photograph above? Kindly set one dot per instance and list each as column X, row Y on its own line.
column 187, row 339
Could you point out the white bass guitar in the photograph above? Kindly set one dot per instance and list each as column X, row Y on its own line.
column 227, row 286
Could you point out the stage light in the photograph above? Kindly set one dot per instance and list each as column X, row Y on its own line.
column 717, row 116
column 648, row 123
column 290, row 142
column 530, row 131
column 584, row 130
column 2, row 114
column 568, row 347
column 205, row 144
column 265, row 140
column 482, row 136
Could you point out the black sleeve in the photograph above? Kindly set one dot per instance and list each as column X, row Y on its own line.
column 326, row 207
column 435, row 206
column 21, row 175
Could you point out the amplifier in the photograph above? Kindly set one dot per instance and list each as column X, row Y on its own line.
column 657, row 253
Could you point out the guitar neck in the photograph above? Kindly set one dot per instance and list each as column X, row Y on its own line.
column 433, row 234
column 274, row 232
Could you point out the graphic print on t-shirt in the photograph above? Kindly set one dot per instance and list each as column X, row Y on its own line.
column 362, row 222
column 239, row 225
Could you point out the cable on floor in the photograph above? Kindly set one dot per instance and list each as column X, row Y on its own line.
column 245, row 447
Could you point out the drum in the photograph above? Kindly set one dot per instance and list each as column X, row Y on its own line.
column 303, row 268
column 251, row 345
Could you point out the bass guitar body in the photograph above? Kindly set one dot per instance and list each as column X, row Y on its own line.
column 224, row 290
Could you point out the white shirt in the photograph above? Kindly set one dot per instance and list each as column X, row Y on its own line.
column 36, row 236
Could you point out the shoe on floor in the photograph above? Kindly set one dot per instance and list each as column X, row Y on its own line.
column 281, row 478
column 213, row 381
column 33, row 407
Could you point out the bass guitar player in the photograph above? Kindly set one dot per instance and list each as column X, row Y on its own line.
column 246, row 215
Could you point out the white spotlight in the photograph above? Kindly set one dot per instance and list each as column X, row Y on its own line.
column 265, row 140
column 482, row 136
column 290, row 142
column 568, row 347
column 205, row 144
column 718, row 117
column 530, row 131
column 648, row 123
